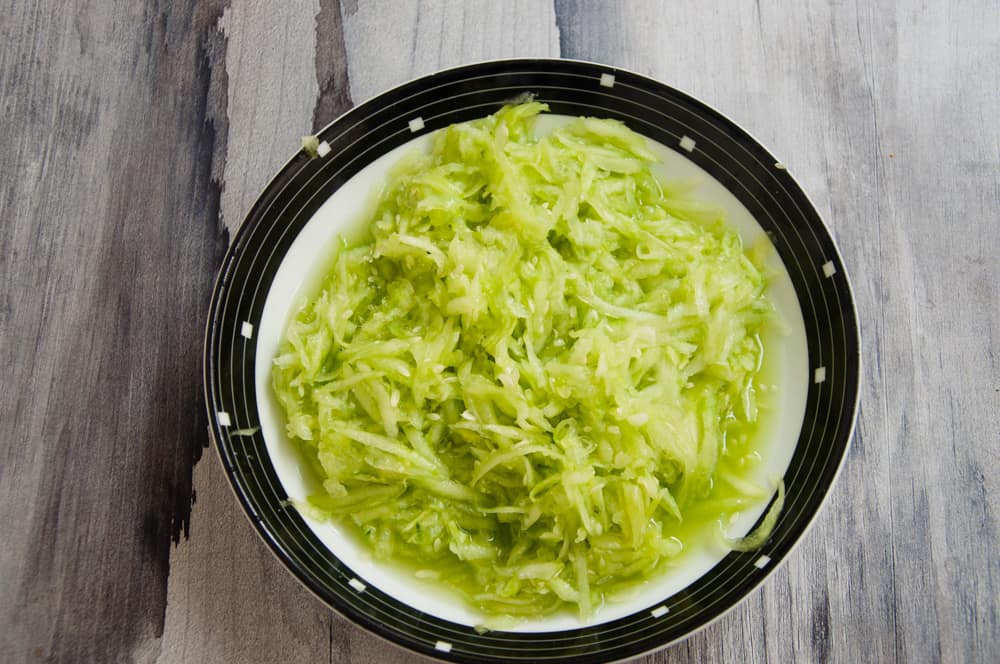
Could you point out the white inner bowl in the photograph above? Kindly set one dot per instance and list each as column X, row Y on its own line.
column 344, row 214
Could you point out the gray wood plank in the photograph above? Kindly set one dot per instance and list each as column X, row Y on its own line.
column 272, row 90
column 229, row 599
column 390, row 42
column 109, row 240
column 751, row 56
column 884, row 115
column 331, row 65
column 936, row 80
column 208, row 610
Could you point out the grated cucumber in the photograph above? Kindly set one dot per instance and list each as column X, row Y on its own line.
column 529, row 374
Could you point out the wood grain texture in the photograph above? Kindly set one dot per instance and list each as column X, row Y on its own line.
column 389, row 42
column 219, row 575
column 138, row 135
column 109, row 242
column 769, row 62
column 881, row 115
column 331, row 65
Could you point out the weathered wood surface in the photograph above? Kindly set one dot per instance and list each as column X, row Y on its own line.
column 136, row 135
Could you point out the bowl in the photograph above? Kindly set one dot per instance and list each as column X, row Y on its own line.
column 314, row 199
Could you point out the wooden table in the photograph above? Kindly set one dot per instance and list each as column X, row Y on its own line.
column 136, row 135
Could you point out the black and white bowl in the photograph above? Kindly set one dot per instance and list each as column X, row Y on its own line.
column 310, row 202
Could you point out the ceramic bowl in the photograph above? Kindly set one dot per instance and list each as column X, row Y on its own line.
column 272, row 262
